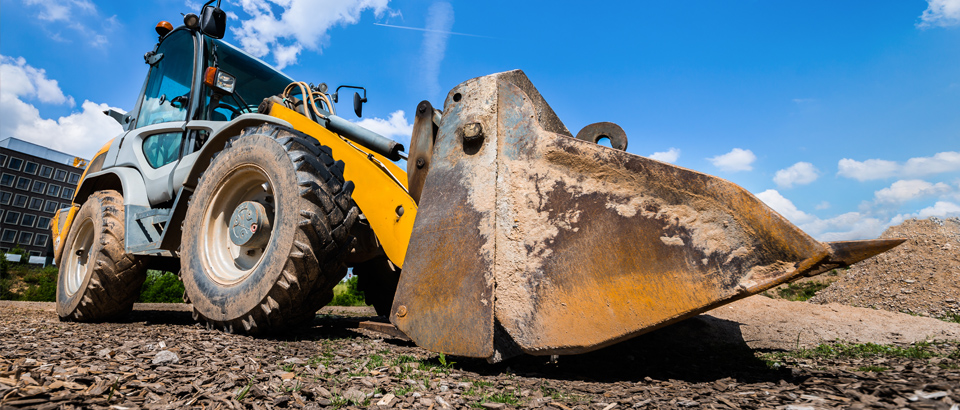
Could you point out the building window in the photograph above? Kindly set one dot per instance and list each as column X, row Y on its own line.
column 28, row 220
column 35, row 253
column 7, row 180
column 36, row 204
column 3, row 159
column 20, row 201
column 51, row 207
column 26, row 238
column 8, row 235
column 23, row 183
column 12, row 218
column 60, row 175
column 31, row 168
column 39, row 186
column 53, row 190
column 40, row 240
column 15, row 164
column 74, row 178
column 43, row 222
column 64, row 205
column 67, row 193
column 5, row 198
column 46, row 171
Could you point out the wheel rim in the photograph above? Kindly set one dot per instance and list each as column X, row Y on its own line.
column 228, row 263
column 76, row 263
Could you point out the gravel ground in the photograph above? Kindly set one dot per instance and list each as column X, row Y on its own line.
column 159, row 358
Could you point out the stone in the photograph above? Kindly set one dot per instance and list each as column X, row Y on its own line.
column 165, row 356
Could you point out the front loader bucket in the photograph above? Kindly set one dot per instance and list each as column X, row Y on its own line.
column 530, row 241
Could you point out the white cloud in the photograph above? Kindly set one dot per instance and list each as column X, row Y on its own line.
column 905, row 190
column 801, row 173
column 396, row 127
column 941, row 162
column 867, row 170
column 61, row 10
column 822, row 205
column 76, row 15
column 302, row 24
column 439, row 23
column 941, row 13
column 670, row 155
column 941, row 209
column 870, row 169
column 735, row 160
column 22, row 80
column 845, row 227
column 848, row 226
column 784, row 207
column 79, row 133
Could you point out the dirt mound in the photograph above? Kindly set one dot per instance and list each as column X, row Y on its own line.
column 921, row 276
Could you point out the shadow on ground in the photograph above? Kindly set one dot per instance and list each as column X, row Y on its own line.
column 700, row 349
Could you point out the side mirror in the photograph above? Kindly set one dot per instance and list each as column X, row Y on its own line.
column 213, row 21
column 116, row 115
column 358, row 104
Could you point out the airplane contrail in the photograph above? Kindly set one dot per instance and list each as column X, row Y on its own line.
column 429, row 31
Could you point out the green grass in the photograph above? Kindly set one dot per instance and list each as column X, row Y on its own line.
column 950, row 317
column 243, row 392
column 800, row 292
column 376, row 361
column 843, row 350
column 161, row 287
column 347, row 294
column 499, row 397
column 403, row 359
column 402, row 390
column 39, row 284
column 28, row 283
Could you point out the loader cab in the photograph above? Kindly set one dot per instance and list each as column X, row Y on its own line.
column 254, row 79
column 176, row 112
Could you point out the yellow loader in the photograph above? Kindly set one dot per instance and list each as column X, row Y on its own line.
column 506, row 235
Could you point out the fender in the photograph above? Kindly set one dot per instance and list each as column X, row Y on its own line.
column 218, row 140
column 201, row 161
column 125, row 180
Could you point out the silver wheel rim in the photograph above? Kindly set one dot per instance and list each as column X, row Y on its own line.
column 76, row 263
column 225, row 262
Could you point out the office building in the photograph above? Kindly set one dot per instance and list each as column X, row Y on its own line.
column 35, row 182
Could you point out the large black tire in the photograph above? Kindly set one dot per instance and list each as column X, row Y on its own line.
column 98, row 280
column 283, row 282
column 378, row 279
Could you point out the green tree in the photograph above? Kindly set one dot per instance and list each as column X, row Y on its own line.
column 346, row 294
column 161, row 287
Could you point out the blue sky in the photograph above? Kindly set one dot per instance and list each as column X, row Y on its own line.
column 843, row 116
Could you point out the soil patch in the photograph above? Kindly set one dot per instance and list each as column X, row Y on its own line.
column 921, row 276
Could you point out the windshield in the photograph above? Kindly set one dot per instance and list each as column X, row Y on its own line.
column 168, row 84
column 255, row 79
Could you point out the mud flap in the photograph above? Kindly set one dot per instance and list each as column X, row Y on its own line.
column 528, row 240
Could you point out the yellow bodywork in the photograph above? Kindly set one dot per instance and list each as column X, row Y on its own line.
column 378, row 195
column 60, row 226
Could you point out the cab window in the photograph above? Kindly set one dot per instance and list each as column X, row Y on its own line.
column 162, row 149
column 255, row 81
column 167, row 93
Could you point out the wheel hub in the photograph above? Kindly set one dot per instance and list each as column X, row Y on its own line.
column 249, row 225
